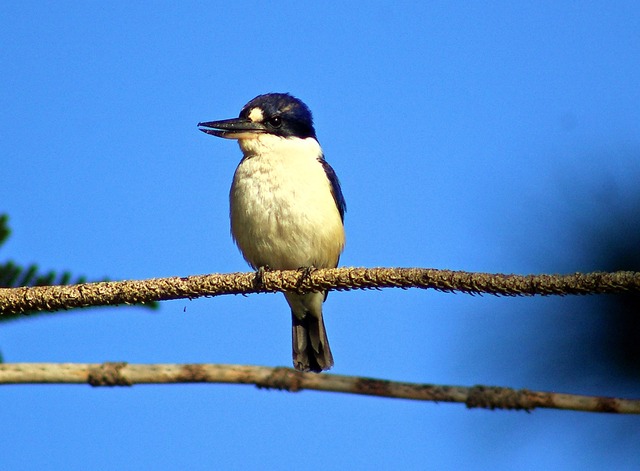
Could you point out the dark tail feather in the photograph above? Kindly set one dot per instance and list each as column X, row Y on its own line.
column 311, row 350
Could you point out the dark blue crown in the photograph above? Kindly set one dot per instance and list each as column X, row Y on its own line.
column 283, row 114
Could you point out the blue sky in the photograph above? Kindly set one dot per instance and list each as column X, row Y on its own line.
column 466, row 135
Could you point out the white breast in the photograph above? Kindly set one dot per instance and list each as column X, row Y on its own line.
column 282, row 210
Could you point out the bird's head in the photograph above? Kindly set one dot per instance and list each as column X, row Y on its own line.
column 276, row 114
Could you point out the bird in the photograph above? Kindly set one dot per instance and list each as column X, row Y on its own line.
column 286, row 208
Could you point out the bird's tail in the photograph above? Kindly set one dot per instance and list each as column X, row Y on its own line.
column 311, row 350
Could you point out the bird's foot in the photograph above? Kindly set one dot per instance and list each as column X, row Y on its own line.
column 306, row 275
column 259, row 279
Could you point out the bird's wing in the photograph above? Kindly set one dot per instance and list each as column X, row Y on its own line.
column 335, row 187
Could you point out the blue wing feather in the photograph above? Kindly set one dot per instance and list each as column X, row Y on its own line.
column 336, row 191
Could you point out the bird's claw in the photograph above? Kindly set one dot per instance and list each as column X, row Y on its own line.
column 306, row 275
column 259, row 279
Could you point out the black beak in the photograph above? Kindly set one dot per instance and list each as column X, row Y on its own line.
column 236, row 128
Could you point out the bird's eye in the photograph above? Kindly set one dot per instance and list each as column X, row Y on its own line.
column 275, row 121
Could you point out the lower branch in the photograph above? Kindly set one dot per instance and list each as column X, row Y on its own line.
column 124, row 374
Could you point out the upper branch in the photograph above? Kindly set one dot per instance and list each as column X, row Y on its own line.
column 52, row 298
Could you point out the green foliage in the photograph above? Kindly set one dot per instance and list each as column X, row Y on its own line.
column 14, row 275
column 5, row 232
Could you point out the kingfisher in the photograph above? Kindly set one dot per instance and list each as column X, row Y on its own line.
column 287, row 208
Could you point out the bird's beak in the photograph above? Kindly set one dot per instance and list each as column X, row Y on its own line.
column 236, row 128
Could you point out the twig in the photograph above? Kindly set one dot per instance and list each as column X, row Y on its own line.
column 123, row 374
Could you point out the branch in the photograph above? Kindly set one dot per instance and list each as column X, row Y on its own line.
column 52, row 298
column 123, row 374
